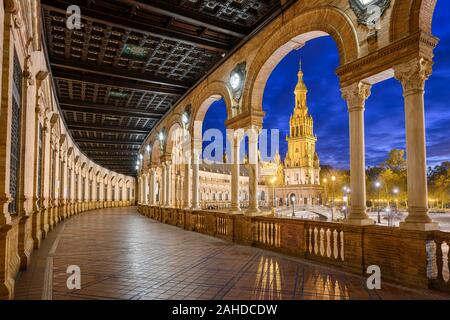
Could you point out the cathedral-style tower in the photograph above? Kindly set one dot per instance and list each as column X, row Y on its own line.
column 302, row 164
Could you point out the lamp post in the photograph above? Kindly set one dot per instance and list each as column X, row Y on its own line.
column 326, row 193
column 274, row 201
column 378, row 185
column 395, row 192
column 293, row 205
column 333, row 180
column 388, row 211
column 346, row 192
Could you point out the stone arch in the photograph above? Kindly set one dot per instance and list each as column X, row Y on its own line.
column 411, row 16
column 207, row 96
column 155, row 153
column 173, row 127
column 325, row 21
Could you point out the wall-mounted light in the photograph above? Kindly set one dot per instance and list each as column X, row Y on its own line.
column 161, row 136
column 185, row 118
column 235, row 81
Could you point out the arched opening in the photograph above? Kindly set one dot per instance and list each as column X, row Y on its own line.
column 214, row 169
column 174, row 149
column 302, row 99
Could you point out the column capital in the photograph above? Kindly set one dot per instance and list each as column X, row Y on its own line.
column 413, row 74
column 356, row 95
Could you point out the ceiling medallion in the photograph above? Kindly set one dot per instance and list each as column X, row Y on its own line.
column 366, row 10
column 237, row 80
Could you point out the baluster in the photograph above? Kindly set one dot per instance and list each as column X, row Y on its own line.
column 259, row 232
column 278, row 235
column 335, row 244
column 322, row 240
column 342, row 245
column 445, row 270
column 310, row 240
column 328, row 243
column 433, row 258
column 316, row 244
column 272, row 238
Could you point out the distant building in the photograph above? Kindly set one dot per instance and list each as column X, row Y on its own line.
column 298, row 176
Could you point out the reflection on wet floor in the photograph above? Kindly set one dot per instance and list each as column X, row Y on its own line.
column 123, row 255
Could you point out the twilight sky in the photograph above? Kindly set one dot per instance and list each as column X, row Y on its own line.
column 384, row 116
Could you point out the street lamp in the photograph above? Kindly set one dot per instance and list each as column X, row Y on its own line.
column 293, row 205
column 346, row 192
column 333, row 180
column 388, row 211
column 378, row 185
column 326, row 193
column 273, row 180
column 395, row 192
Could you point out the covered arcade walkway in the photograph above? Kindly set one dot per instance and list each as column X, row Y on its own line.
column 123, row 255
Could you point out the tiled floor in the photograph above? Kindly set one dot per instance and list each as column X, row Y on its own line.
column 123, row 255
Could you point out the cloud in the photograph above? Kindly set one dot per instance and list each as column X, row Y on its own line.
column 384, row 115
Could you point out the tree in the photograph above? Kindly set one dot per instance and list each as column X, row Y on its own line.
column 396, row 161
column 439, row 183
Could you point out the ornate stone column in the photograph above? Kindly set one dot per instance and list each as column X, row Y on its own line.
column 356, row 96
column 163, row 185
column 169, row 183
column 145, row 189
column 187, row 183
column 195, row 180
column 235, row 171
column 253, row 134
column 150, row 187
column 413, row 75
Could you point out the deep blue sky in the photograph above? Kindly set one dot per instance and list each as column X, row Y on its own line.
column 384, row 117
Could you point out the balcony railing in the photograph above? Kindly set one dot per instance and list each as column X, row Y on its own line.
column 412, row 258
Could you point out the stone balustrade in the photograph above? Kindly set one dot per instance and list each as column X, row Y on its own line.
column 408, row 257
column 438, row 263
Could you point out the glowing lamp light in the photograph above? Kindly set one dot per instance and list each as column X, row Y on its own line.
column 138, row 163
column 185, row 118
column 161, row 136
column 333, row 178
column 148, row 148
column 141, row 157
column 377, row 184
column 235, row 81
column 137, row 167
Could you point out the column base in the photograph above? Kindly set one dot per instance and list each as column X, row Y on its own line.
column 253, row 212
column 235, row 211
column 419, row 226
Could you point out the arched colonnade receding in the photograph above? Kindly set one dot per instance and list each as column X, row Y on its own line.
column 46, row 178
column 401, row 48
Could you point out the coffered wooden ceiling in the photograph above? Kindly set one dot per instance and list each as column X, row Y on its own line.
column 132, row 60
